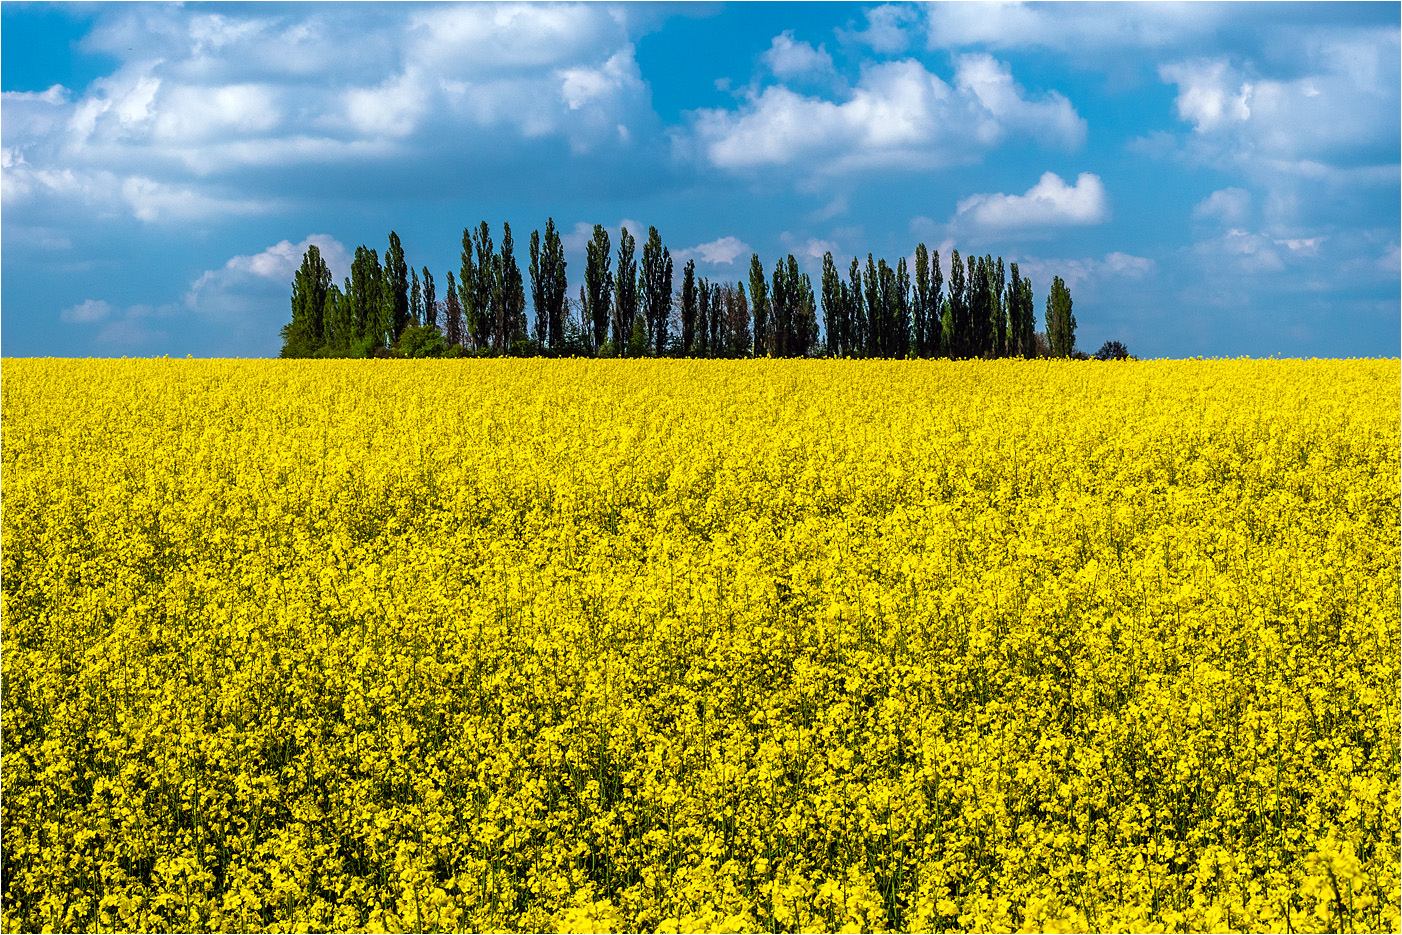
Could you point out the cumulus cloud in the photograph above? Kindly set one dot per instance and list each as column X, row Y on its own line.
column 886, row 30
column 1052, row 119
column 89, row 311
column 1080, row 271
column 1049, row 203
column 1228, row 205
column 788, row 58
column 721, row 252
column 205, row 103
column 899, row 114
column 229, row 290
column 1066, row 27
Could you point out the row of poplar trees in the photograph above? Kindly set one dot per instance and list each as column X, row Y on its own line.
column 387, row 309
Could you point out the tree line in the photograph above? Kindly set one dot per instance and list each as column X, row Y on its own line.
column 627, row 307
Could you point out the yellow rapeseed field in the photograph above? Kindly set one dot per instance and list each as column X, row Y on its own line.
column 670, row 645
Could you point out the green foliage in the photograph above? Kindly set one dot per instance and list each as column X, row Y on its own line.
column 1061, row 323
column 759, row 306
column 625, row 293
column 655, row 290
column 420, row 341
column 882, row 310
column 598, row 287
column 689, row 307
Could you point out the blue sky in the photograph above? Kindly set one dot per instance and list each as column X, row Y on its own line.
column 1213, row 179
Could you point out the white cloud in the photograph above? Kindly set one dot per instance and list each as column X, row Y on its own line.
column 1052, row 120
column 1209, row 93
column 89, row 311
column 788, row 58
column 899, row 114
column 1083, row 270
column 224, row 292
column 1125, row 264
column 1067, row 27
column 55, row 94
column 202, row 96
column 583, row 86
column 886, row 29
column 721, row 252
column 1228, row 205
column 1049, row 203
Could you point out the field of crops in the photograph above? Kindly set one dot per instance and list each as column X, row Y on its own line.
column 666, row 645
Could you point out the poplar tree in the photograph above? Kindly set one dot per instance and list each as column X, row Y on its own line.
column 542, row 326
column 430, row 301
column 513, row 293
column 1012, row 300
column 780, row 313
column 958, row 331
column 416, row 298
column 759, row 306
column 335, row 320
column 1061, row 324
column 396, row 288
column 803, row 312
column 557, row 285
column 832, row 298
column 935, row 326
column 856, row 309
column 598, row 286
column 689, row 307
column 1000, row 311
column 655, row 286
column 452, row 315
column 305, row 335
column 920, row 307
column 900, row 343
column 625, row 293
column 366, row 295
column 1029, row 321
column 703, row 317
column 483, row 290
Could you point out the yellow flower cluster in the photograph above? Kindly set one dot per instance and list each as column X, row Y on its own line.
column 725, row 646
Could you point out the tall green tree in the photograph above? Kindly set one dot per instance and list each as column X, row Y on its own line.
column 416, row 298
column 598, row 286
column 557, row 285
column 430, row 301
column 920, row 306
column 396, row 288
column 1028, row 321
column 513, row 294
column 759, row 306
column 901, row 319
column 780, row 310
column 481, row 294
column 876, row 312
column 625, row 292
column 655, row 286
column 452, row 315
column 958, row 308
column 1000, row 311
column 688, row 307
column 368, row 321
column 703, row 318
column 305, row 335
column 336, row 322
column 935, row 325
column 833, row 302
column 1061, row 323
column 857, row 316
column 802, row 314
column 542, row 320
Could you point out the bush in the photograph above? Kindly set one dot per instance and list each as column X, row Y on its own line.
column 1112, row 350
